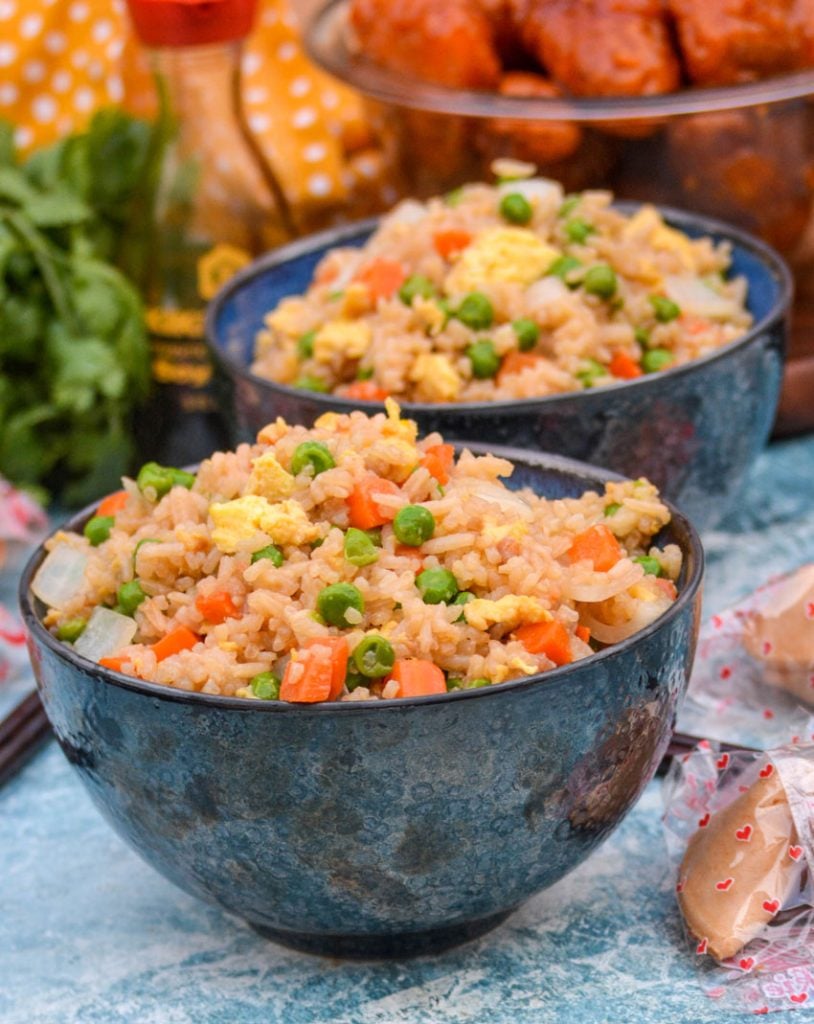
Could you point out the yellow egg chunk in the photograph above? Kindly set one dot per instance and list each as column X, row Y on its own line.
column 511, row 611
column 436, row 377
column 238, row 522
column 347, row 338
column 395, row 426
column 269, row 479
column 511, row 255
column 287, row 318
column 648, row 224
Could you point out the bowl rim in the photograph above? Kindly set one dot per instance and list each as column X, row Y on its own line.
column 326, row 43
column 769, row 257
column 692, row 551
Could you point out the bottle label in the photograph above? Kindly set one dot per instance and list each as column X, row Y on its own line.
column 220, row 264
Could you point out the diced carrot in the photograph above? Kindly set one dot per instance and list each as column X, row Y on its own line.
column 326, row 272
column 363, row 511
column 113, row 662
column 598, row 545
column 438, row 459
column 548, row 638
column 694, row 324
column 216, row 608
column 667, row 587
column 624, row 366
column 583, row 633
column 382, row 278
column 365, row 391
column 516, row 362
column 180, row 639
column 112, row 504
column 449, row 242
column 318, row 671
column 417, row 678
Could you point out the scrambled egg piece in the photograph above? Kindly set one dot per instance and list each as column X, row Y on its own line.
column 511, row 611
column 494, row 532
column 395, row 426
column 429, row 314
column 356, row 300
column 328, row 421
column 641, row 592
column 238, row 522
column 272, row 432
column 287, row 318
column 393, row 458
column 513, row 255
column 269, row 479
column 647, row 223
column 436, row 377
column 347, row 338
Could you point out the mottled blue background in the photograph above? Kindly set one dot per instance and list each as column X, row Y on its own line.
column 90, row 935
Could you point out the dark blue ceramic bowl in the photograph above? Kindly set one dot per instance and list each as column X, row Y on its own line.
column 388, row 828
column 694, row 430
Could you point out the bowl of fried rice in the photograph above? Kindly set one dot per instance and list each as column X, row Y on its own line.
column 643, row 339
column 367, row 690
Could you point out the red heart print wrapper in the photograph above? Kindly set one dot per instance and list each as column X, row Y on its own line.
column 22, row 523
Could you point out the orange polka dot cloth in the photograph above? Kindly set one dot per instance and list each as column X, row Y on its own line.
column 60, row 60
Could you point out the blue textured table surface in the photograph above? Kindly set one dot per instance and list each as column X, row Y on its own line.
column 91, row 935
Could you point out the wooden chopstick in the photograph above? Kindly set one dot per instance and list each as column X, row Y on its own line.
column 22, row 733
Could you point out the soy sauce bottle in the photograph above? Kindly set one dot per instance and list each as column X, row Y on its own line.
column 212, row 204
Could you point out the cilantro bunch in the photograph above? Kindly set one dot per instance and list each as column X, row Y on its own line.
column 74, row 358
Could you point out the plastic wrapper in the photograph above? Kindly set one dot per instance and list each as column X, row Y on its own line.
column 22, row 523
column 738, row 826
column 754, row 667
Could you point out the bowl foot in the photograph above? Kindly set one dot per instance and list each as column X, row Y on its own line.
column 368, row 947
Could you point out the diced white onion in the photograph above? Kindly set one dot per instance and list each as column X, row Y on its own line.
column 599, row 586
column 60, row 576
column 106, row 632
column 698, row 299
column 645, row 613
column 536, row 190
column 508, row 501
column 545, row 293
column 408, row 212
column 351, row 259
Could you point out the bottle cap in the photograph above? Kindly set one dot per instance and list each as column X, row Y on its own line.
column 191, row 22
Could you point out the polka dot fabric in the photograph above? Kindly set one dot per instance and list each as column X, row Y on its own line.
column 60, row 61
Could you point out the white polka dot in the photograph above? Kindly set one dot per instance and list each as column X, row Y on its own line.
column 319, row 185
column 96, row 70
column 78, row 11
column 115, row 88
column 252, row 63
column 119, row 7
column 8, row 54
column 301, row 86
column 258, row 122
column 330, row 99
column 114, row 49
column 83, row 99
column 62, row 81
column 79, row 58
column 314, row 152
column 287, row 51
column 31, row 26
column 33, row 71
column 102, row 31
column 257, row 94
column 304, row 117
column 44, row 109
column 367, row 166
column 55, row 42
column 8, row 8
column 23, row 136
column 9, row 93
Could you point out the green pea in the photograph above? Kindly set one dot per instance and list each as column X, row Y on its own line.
column 528, row 334
column 265, row 685
column 612, row 509
column 162, row 479
column 364, row 373
column 569, row 205
column 590, row 372
column 373, row 657
column 305, row 345
column 515, row 208
column 454, row 197
column 413, row 525
column 375, row 534
column 600, row 281
column 578, row 230
column 71, row 630
column 563, row 267
column 97, row 529
column 464, row 597
column 664, row 309
column 129, row 596
column 642, row 336
column 271, row 552
column 314, row 454
column 656, row 359
column 416, row 284
column 336, row 600
column 359, row 549
column 476, row 311
column 476, row 684
column 437, row 586
column 484, row 359
column 336, row 295
column 353, row 679
column 651, row 566
column 454, row 683
column 308, row 382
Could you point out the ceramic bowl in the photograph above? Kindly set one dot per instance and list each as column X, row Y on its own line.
column 693, row 430
column 378, row 828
